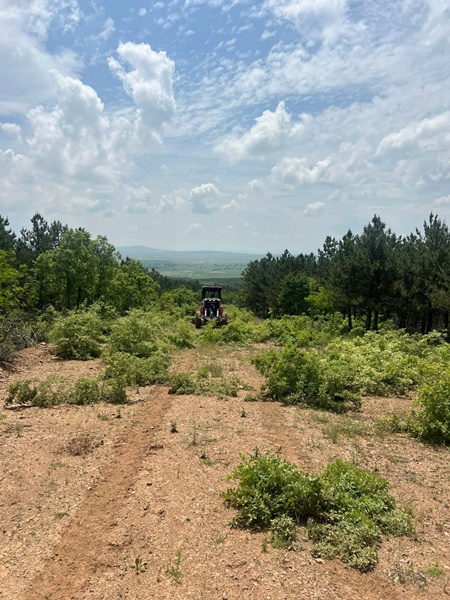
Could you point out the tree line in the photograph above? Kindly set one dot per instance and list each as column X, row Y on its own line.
column 372, row 275
column 51, row 264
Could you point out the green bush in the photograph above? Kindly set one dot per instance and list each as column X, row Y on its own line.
column 79, row 335
column 138, row 334
column 208, row 381
column 56, row 390
column 432, row 421
column 133, row 370
column 85, row 391
column 50, row 392
column 346, row 509
column 270, row 487
column 296, row 376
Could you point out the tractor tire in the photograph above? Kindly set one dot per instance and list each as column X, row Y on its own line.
column 198, row 321
column 224, row 319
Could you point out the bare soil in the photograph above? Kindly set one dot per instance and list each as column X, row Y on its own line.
column 106, row 502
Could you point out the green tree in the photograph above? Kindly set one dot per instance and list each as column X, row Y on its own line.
column 132, row 287
column 377, row 269
column 294, row 292
column 7, row 236
column 70, row 270
column 106, row 265
column 37, row 240
column 434, row 270
column 13, row 285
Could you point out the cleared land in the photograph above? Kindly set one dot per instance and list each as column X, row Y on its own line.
column 104, row 502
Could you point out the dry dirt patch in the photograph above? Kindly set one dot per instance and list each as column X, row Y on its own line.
column 139, row 515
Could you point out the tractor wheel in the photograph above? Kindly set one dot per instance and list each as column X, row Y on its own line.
column 224, row 319
column 198, row 321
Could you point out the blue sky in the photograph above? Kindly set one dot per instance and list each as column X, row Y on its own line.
column 225, row 124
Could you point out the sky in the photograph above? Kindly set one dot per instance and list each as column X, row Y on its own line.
column 228, row 125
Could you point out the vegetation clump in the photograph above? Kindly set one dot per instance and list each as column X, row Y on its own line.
column 345, row 509
column 56, row 390
column 78, row 335
column 432, row 422
column 209, row 380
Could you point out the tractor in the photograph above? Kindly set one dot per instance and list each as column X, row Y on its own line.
column 211, row 308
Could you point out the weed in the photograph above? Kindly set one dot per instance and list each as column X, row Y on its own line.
column 434, row 571
column 345, row 427
column 139, row 565
column 243, row 413
column 173, row 426
column 2, row 417
column 218, row 539
column 346, row 509
column 174, row 569
column 103, row 417
column 59, row 514
column 202, row 384
column 194, row 436
column 55, row 390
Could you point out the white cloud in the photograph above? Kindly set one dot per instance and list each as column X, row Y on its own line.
column 108, row 29
column 142, row 12
column 442, row 201
column 24, row 60
column 313, row 209
column 138, row 200
column 75, row 139
column 431, row 133
column 170, row 202
column 204, row 198
column 194, row 228
column 272, row 132
column 149, row 82
column 291, row 171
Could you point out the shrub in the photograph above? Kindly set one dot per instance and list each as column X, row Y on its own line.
column 297, row 376
column 208, row 381
column 270, row 487
column 133, row 370
column 56, row 390
column 138, row 334
column 432, row 421
column 78, row 335
column 346, row 509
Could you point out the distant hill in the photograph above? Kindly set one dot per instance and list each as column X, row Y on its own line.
column 138, row 252
column 207, row 266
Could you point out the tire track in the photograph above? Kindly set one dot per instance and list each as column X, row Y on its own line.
column 83, row 550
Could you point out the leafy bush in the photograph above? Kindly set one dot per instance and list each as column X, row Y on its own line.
column 270, row 487
column 334, row 376
column 284, row 532
column 297, row 376
column 133, row 370
column 56, row 390
column 432, row 421
column 78, row 336
column 242, row 328
column 346, row 509
column 139, row 334
column 50, row 392
column 209, row 380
